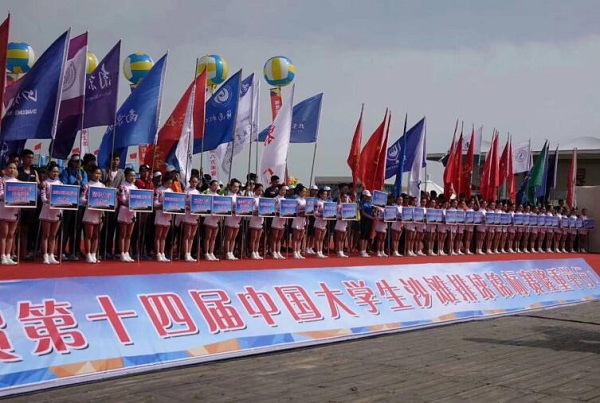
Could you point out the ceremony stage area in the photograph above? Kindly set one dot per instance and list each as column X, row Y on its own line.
column 36, row 270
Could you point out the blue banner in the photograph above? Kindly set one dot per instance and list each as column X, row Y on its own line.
column 174, row 203
column 379, row 198
column 419, row 214
column 60, row 331
column 221, row 110
column 435, row 215
column 64, row 197
column 201, row 204
column 31, row 113
column 310, row 205
column 141, row 200
column 288, row 208
column 136, row 120
column 404, row 148
column 222, row 205
column 329, row 211
column 390, row 214
column 305, row 121
column 104, row 199
column 20, row 194
column 407, row 213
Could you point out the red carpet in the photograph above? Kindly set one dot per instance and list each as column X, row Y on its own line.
column 32, row 270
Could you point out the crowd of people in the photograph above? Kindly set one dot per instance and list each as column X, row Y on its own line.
column 127, row 235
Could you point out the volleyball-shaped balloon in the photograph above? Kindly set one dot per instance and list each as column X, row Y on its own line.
column 136, row 67
column 216, row 69
column 91, row 63
column 19, row 58
column 279, row 71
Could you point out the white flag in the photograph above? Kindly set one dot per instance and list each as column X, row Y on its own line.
column 415, row 172
column 277, row 143
column 477, row 140
column 185, row 146
column 522, row 157
column 246, row 124
column 85, row 142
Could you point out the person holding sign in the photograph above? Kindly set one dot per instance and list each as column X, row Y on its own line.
column 8, row 217
column 162, row 220
column 299, row 222
column 278, row 225
column 256, row 224
column 190, row 222
column 572, row 230
column 320, row 224
column 126, row 218
column 481, row 228
column 211, row 226
column 341, row 226
column 232, row 222
column 91, row 218
column 49, row 218
column 366, row 222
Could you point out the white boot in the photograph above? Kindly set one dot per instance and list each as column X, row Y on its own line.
column 320, row 255
column 53, row 259
column 46, row 259
column 89, row 258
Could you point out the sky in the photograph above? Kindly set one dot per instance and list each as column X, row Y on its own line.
column 528, row 68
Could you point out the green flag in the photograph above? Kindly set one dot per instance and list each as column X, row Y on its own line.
column 536, row 176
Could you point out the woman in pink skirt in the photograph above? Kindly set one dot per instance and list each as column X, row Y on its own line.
column 126, row 218
column 49, row 218
column 92, row 219
column 9, row 217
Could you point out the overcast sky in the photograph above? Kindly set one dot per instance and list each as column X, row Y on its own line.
column 530, row 68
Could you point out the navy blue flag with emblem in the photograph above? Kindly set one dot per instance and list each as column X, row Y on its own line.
column 406, row 147
column 305, row 121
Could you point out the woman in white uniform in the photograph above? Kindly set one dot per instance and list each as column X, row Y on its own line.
column 50, row 218
column 92, row 219
column 299, row 222
column 211, row 226
column 256, row 224
column 190, row 222
column 162, row 220
column 320, row 224
column 126, row 218
column 232, row 222
column 8, row 217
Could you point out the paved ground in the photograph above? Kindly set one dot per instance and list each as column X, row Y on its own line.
column 549, row 356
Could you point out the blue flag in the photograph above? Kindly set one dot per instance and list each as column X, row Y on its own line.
column 305, row 121
column 402, row 154
column 405, row 146
column 137, row 119
column 220, row 117
column 32, row 112
column 102, row 88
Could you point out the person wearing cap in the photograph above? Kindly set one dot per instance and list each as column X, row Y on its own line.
column 73, row 175
column 366, row 222
column 145, row 179
column 177, row 186
column 156, row 179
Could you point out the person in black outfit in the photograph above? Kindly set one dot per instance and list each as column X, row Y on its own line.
column 29, row 217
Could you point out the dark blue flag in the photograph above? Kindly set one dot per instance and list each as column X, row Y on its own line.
column 305, row 121
column 407, row 146
column 32, row 112
column 137, row 119
column 102, row 89
column 220, row 117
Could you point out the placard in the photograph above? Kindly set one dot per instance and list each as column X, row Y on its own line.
column 579, row 223
column 469, row 217
column 498, row 218
column 434, row 215
column 244, row 206
column 310, row 205
column 490, row 217
column 505, row 219
column 390, row 214
column 460, row 216
column 267, row 206
column 174, row 203
column 222, row 205
column 564, row 222
column 64, row 197
column 20, row 194
column 329, row 210
column 478, row 217
column 407, row 213
column 349, row 211
column 288, row 208
column 379, row 198
column 103, row 199
column 419, row 214
column 526, row 218
column 533, row 220
column 518, row 219
column 555, row 220
column 450, row 216
column 589, row 223
column 541, row 220
column 141, row 200
column 201, row 204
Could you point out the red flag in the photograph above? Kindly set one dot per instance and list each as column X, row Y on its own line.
column 4, row 28
column 571, row 180
column 133, row 156
column 379, row 172
column 495, row 171
column 503, row 164
column 467, row 168
column 169, row 134
column 37, row 147
column 456, row 180
column 449, row 170
column 354, row 156
column 485, row 175
column 510, row 187
column 490, row 178
column 369, row 156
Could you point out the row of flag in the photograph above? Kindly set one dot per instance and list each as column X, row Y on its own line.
column 56, row 99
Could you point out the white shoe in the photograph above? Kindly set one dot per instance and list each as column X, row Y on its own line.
column 124, row 257
column 540, row 250
column 280, row 256
column 89, row 258
column 229, row 256
column 10, row 261
column 420, row 253
column 297, row 255
column 213, row 257
column 469, row 252
column 396, row 254
column 52, row 259
column 320, row 255
column 583, row 251
column 310, row 251
column 342, row 254
column 188, row 258
column 378, row 254
column 129, row 258
column 207, row 256
column 460, row 253
column 46, row 259
column 364, row 254
column 510, row 250
column 442, row 253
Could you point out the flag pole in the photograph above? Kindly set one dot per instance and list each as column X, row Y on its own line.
column 312, row 168
column 251, row 129
column 83, row 106
column 234, row 129
column 211, row 89
column 189, row 156
column 59, row 91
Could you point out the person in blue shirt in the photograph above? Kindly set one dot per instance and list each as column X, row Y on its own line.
column 73, row 174
column 366, row 221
